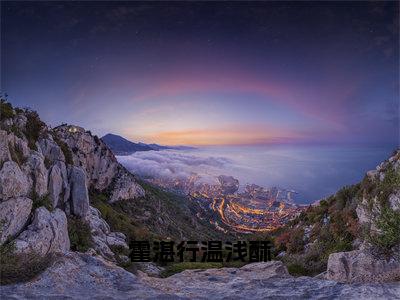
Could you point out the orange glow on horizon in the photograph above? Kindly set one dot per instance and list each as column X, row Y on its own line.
column 204, row 137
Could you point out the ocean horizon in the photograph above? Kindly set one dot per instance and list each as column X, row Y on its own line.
column 313, row 172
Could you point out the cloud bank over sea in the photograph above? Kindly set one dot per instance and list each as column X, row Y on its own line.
column 176, row 164
column 314, row 172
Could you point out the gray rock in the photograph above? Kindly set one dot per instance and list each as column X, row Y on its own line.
column 81, row 276
column 117, row 239
column 150, row 269
column 14, row 214
column 92, row 154
column 48, row 233
column 4, row 150
column 126, row 188
column 20, row 121
column 13, row 182
column 362, row 266
column 102, row 236
column 37, row 173
column 79, row 192
column 21, row 144
column 51, row 151
column 59, row 189
column 394, row 200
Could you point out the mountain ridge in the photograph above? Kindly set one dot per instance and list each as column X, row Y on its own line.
column 122, row 146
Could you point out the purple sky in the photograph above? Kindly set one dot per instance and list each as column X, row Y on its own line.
column 208, row 73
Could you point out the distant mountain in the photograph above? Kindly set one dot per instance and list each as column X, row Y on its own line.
column 122, row 146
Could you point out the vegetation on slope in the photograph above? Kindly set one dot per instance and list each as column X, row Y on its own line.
column 158, row 215
column 333, row 225
column 79, row 234
column 20, row 267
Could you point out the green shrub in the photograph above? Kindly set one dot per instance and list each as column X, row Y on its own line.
column 179, row 267
column 6, row 110
column 296, row 242
column 47, row 162
column 80, row 235
column 297, row 270
column 387, row 186
column 388, row 225
column 65, row 149
column 16, row 154
column 119, row 250
column 38, row 201
column 16, row 131
column 34, row 127
column 119, row 221
column 21, row 267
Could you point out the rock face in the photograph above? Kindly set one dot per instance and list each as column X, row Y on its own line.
column 58, row 168
column 37, row 173
column 362, row 266
column 59, row 187
column 91, row 153
column 102, row 280
column 51, row 151
column 48, row 233
column 79, row 192
column 14, row 214
column 13, row 182
column 100, row 165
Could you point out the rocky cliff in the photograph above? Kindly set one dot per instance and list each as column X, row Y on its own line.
column 45, row 178
column 63, row 183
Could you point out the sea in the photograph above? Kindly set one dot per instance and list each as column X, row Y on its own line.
column 313, row 172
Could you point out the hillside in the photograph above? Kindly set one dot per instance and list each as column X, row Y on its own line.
column 360, row 225
column 121, row 146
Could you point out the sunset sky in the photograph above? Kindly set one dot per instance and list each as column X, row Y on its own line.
column 208, row 73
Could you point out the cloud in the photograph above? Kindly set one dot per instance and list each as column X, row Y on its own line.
column 171, row 164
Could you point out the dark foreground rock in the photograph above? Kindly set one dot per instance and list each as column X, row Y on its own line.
column 81, row 276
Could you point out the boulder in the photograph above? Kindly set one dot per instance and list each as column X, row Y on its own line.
column 79, row 192
column 48, row 233
column 51, row 151
column 13, row 182
column 360, row 266
column 37, row 173
column 14, row 213
column 59, row 189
